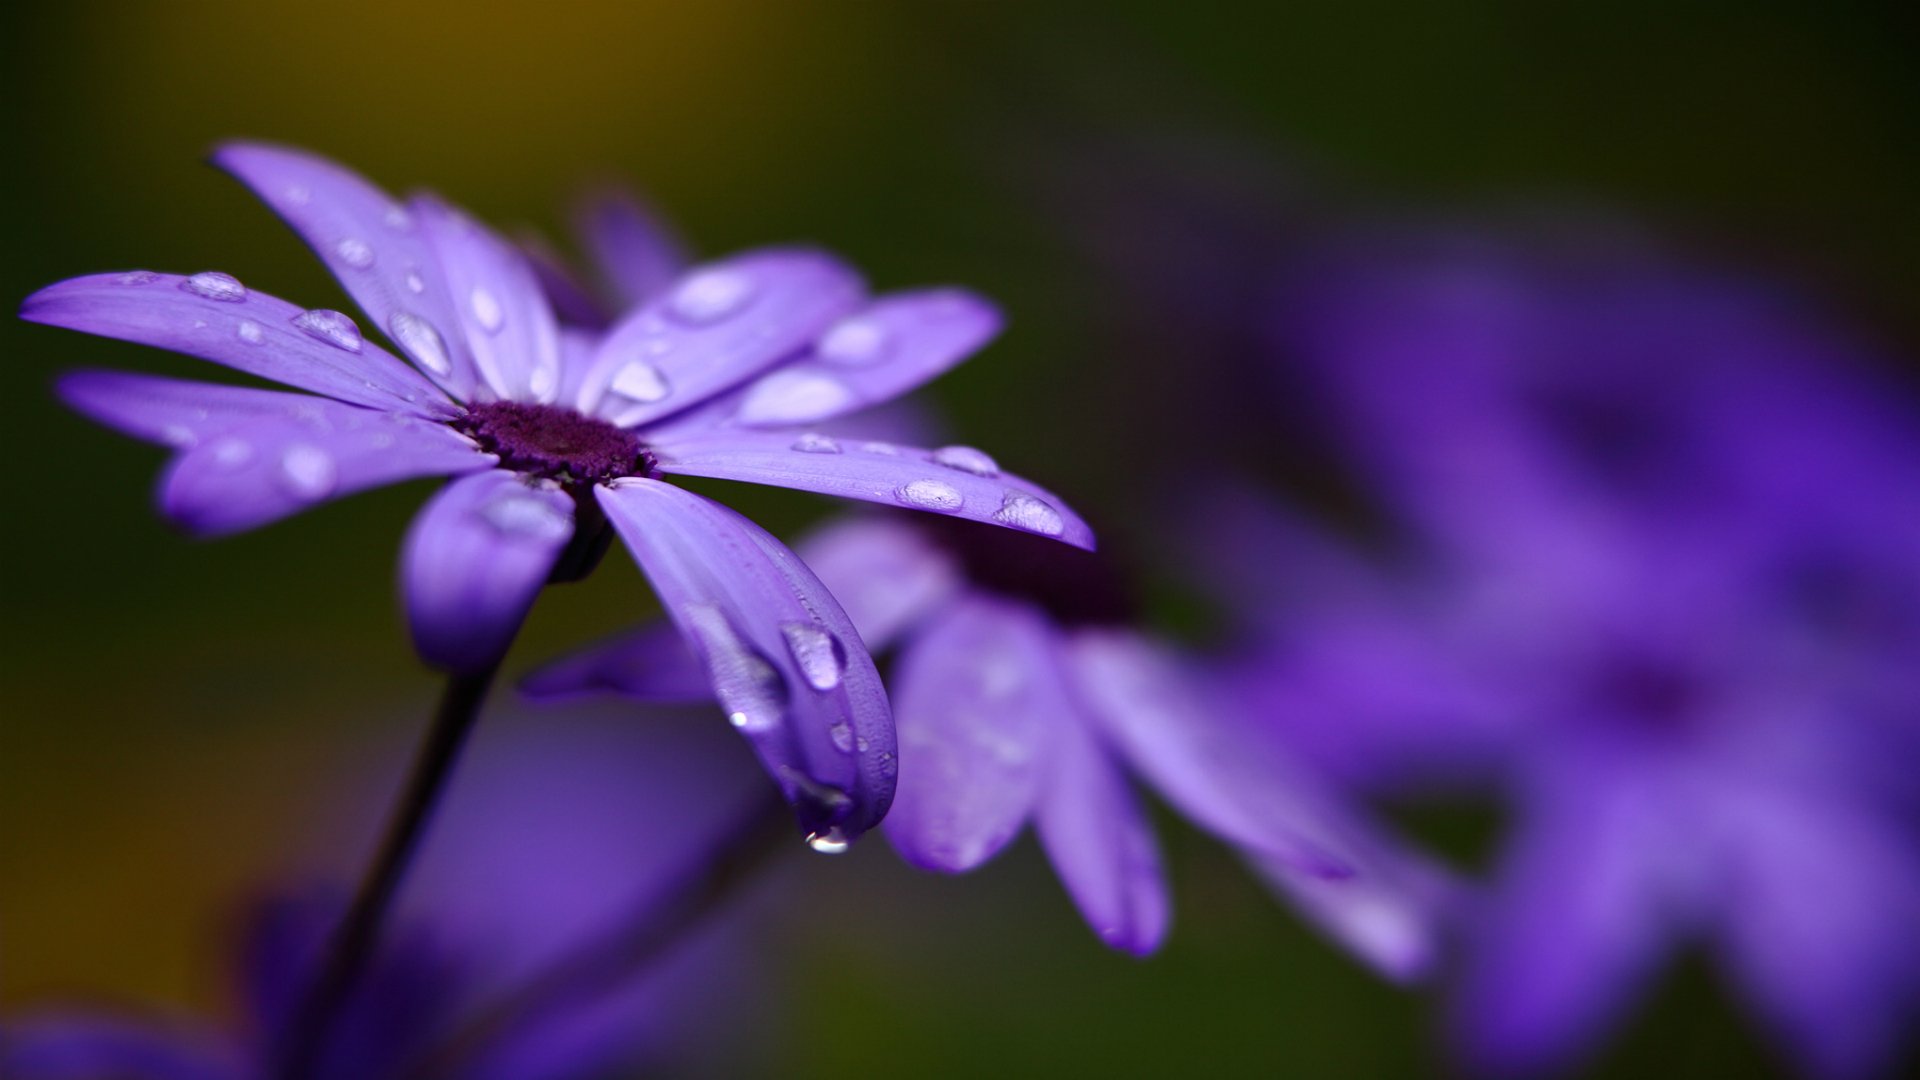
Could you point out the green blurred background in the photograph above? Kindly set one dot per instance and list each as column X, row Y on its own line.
column 176, row 711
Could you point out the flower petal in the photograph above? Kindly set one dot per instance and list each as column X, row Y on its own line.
column 651, row 664
column 958, row 481
column 978, row 694
column 888, row 348
column 175, row 412
column 372, row 244
column 76, row 1046
column 885, row 573
column 716, row 327
column 633, row 248
column 475, row 559
column 241, row 328
column 1101, row 843
column 509, row 326
column 1390, row 913
column 787, row 664
column 573, row 304
column 264, row 470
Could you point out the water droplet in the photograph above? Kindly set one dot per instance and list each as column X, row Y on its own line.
column 967, row 460
column 640, row 381
column 486, row 310
column 815, row 443
column 1029, row 513
column 179, row 435
column 250, row 332
column 885, row 448
column 421, row 341
column 231, row 453
column 199, row 324
column 832, row 842
column 299, row 194
column 215, row 285
column 397, row 217
column 308, row 471
column 354, row 252
column 749, row 686
column 415, row 283
column 522, row 514
column 331, row 327
column 795, row 397
column 659, row 347
column 821, row 657
column 856, row 342
column 541, row 382
column 137, row 277
column 711, row 295
column 936, row 495
column 842, row 736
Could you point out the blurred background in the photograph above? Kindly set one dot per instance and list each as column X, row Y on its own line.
column 182, row 718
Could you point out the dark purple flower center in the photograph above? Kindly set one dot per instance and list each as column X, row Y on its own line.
column 1077, row 588
column 557, row 443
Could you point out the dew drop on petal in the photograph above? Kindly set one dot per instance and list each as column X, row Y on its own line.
column 415, row 283
column 820, row 655
column 1029, row 513
column 542, row 382
column 796, row 397
column 967, row 460
column 215, row 285
column 331, row 327
column 179, row 435
column 308, row 471
column 885, row 448
column 842, row 736
column 710, row 296
column 749, row 686
column 137, row 277
column 232, row 452
column 832, row 842
column 397, row 217
column 523, row 515
column 936, row 495
column 299, row 194
column 856, row 342
column 486, row 310
column 815, row 443
column 640, row 381
column 354, row 252
column 421, row 341
column 250, row 332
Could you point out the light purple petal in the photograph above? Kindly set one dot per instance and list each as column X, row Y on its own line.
column 978, row 695
column 651, row 664
column 510, row 329
column 1102, row 845
column 957, row 481
column 372, row 243
column 474, row 560
column 714, row 328
column 786, row 663
column 264, row 470
column 887, row 574
column 175, row 412
column 633, row 248
column 886, row 349
column 216, row 318
column 1391, row 912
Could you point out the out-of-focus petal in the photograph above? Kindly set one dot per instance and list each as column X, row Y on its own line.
column 651, row 664
column 510, row 330
column 886, row 349
column 958, row 481
column 372, row 243
column 887, row 574
column 1102, row 845
column 75, row 1046
column 266, row 469
column 1392, row 912
column 714, row 328
column 571, row 301
column 175, row 412
column 978, row 694
column 632, row 247
column 474, row 560
column 788, row 666
column 216, row 318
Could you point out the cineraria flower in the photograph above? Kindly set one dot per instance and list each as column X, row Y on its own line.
column 554, row 435
column 1023, row 695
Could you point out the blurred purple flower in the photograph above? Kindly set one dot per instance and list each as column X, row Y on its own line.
column 554, row 433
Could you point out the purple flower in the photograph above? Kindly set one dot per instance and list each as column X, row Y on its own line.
column 555, row 433
column 1023, row 696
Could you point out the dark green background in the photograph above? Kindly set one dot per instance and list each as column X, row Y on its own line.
column 175, row 710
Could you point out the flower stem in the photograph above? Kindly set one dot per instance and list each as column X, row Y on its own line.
column 304, row 1040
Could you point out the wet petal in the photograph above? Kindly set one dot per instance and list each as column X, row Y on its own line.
column 978, row 694
column 509, row 326
column 264, row 470
column 474, row 560
column 175, row 412
column 633, row 248
column 716, row 327
column 249, row 331
column 1102, row 845
column 945, row 481
column 786, row 663
column 372, row 243
column 886, row 574
column 886, row 349
column 651, row 664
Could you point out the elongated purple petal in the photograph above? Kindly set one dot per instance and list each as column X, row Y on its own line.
column 509, row 326
column 958, row 481
column 372, row 243
column 1391, row 913
column 786, row 663
column 474, row 561
column 572, row 302
column 264, row 470
column 75, row 1046
column 886, row 349
column 651, row 664
column 1101, row 843
column 886, row 574
column 216, row 318
column 633, row 248
column 978, row 695
column 715, row 328
column 175, row 412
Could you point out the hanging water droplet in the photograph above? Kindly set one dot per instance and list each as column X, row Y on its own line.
column 417, row 337
column 354, row 252
column 820, row 655
column 640, row 381
column 856, row 342
column 486, row 310
column 524, row 515
column 137, row 277
column 711, row 295
column 231, row 453
column 250, row 332
column 215, row 285
column 308, row 471
column 815, row 443
column 967, row 460
column 749, row 686
column 832, row 842
column 415, row 283
column 331, row 327
column 1029, row 513
column 936, row 495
